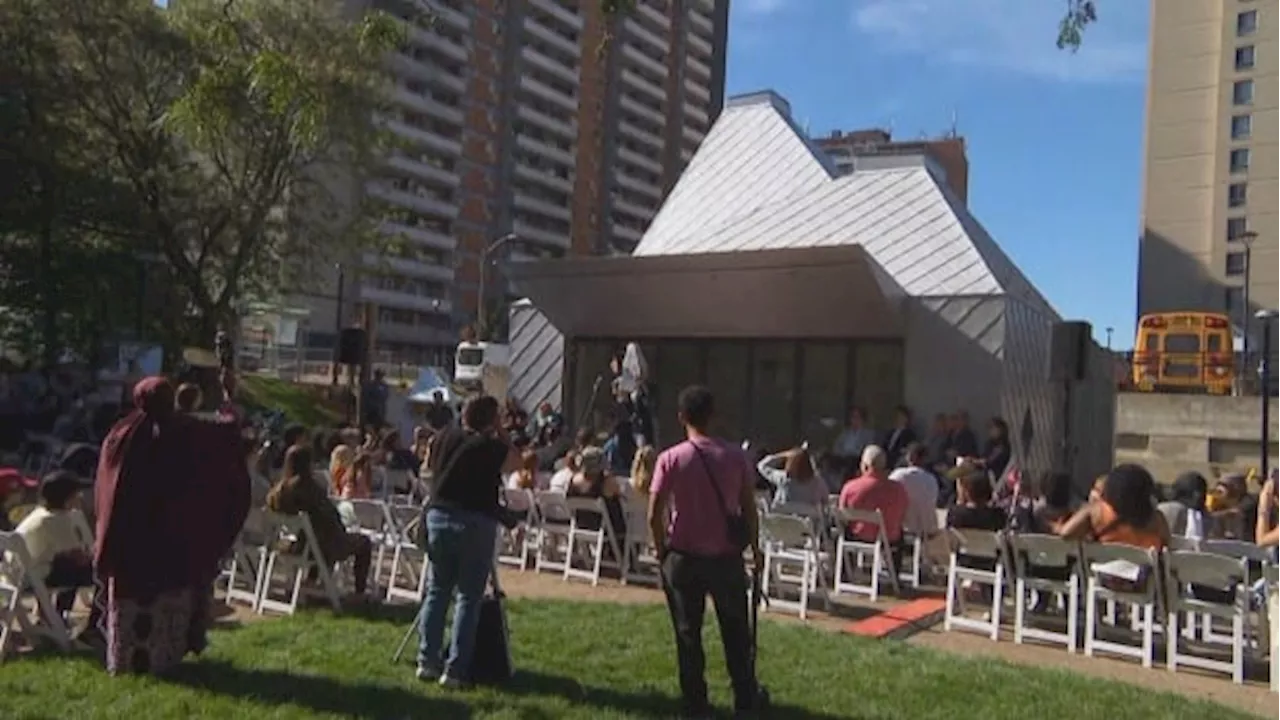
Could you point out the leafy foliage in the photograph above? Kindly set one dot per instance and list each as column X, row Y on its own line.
column 1080, row 14
column 222, row 144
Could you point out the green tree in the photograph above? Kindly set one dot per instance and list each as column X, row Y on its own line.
column 232, row 136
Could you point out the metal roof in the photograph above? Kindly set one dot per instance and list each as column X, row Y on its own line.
column 757, row 183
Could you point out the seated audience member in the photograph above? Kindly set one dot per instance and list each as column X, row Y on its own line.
column 856, row 437
column 973, row 509
column 792, row 478
column 1267, row 528
column 642, row 471
column 902, row 436
column 1052, row 506
column 526, row 477
column 593, row 480
column 562, row 478
column 60, row 556
column 1233, row 509
column 620, row 448
column 395, row 456
column 922, row 491
column 873, row 490
column 294, row 434
column 1124, row 512
column 1184, row 511
column 297, row 492
column 830, row 470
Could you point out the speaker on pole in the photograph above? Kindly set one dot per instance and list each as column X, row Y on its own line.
column 1069, row 351
column 351, row 346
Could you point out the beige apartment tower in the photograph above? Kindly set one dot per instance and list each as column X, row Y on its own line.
column 1210, row 168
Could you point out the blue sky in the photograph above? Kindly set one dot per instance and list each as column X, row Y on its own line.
column 1054, row 138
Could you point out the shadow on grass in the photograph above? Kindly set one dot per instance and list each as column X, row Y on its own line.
column 316, row 693
column 647, row 704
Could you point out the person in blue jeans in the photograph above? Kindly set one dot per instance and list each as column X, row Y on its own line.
column 467, row 466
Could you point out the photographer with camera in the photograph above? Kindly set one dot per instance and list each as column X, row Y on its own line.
column 467, row 466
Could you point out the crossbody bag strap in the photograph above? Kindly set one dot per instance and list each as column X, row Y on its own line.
column 706, row 469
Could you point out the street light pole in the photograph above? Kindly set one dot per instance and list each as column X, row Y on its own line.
column 1109, row 331
column 482, row 316
column 1246, row 239
column 337, row 321
column 1264, row 371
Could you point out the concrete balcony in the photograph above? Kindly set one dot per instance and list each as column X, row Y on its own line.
column 635, row 132
column 453, row 18
column 425, row 238
column 561, row 13
column 544, row 178
column 635, row 80
column 426, row 171
column 536, row 29
column 626, row 233
column 421, row 203
column 644, row 214
column 635, row 56
column 566, row 129
column 428, row 106
column 641, row 110
column 430, row 73
column 540, row 236
column 548, row 93
column 549, row 64
column 544, row 149
column 696, row 89
column 537, row 206
column 654, row 15
column 661, row 43
column 448, row 146
column 637, row 185
column 699, row 45
column 639, row 160
column 699, row 66
column 408, row 268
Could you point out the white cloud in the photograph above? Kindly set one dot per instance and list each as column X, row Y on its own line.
column 762, row 7
column 1014, row 36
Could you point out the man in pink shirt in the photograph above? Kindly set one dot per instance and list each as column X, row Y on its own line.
column 697, row 486
column 873, row 490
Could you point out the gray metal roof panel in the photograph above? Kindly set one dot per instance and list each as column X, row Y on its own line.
column 757, row 183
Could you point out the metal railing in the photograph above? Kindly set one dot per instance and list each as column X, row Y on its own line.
column 314, row 366
column 1194, row 373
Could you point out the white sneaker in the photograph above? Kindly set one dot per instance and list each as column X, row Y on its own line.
column 450, row 683
column 427, row 674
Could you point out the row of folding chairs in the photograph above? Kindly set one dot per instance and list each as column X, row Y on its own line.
column 576, row 537
column 1182, row 593
column 18, row 584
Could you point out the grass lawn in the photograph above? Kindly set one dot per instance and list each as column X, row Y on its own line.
column 306, row 404
column 575, row 660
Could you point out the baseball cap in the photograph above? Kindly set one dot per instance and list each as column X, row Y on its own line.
column 591, row 461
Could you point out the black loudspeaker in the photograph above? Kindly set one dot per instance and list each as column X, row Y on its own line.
column 1069, row 351
column 351, row 346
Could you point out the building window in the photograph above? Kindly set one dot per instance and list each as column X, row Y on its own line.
column 1241, row 127
column 1237, row 194
column 1245, row 57
column 1246, row 22
column 1235, row 263
column 1233, row 298
column 1240, row 160
column 1236, row 228
column 1242, row 92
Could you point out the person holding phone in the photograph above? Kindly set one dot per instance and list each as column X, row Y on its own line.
column 468, row 465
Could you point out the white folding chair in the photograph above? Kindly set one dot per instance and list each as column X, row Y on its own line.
column 1121, row 574
column 1186, row 575
column 1035, row 557
column 851, row 555
column 637, row 545
column 1181, row 542
column 407, row 578
column 517, row 544
column 243, row 573
column 969, row 547
column 553, row 532
column 1256, row 560
column 17, row 582
column 911, row 574
column 373, row 520
column 791, row 540
column 1271, row 576
column 296, row 565
column 590, row 532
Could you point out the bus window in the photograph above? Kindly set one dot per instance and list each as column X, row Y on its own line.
column 1181, row 344
column 1151, row 343
column 1215, row 343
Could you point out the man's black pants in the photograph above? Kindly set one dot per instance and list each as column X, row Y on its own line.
column 687, row 580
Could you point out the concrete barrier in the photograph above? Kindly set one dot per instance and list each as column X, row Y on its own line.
column 1173, row 433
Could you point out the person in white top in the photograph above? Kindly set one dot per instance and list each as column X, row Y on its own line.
column 54, row 535
column 563, row 477
column 922, row 492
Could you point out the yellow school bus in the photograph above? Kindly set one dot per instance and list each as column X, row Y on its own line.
column 1184, row 352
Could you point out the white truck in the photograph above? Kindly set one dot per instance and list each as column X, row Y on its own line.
column 483, row 367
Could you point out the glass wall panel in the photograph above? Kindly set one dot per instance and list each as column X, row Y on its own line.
column 878, row 380
column 679, row 364
column 824, row 391
column 591, row 361
column 773, row 395
column 726, row 374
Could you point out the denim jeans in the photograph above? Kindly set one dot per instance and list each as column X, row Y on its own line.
column 461, row 546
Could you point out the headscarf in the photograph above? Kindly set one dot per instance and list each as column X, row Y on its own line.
column 172, row 494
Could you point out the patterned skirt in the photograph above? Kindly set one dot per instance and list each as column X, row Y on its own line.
column 152, row 634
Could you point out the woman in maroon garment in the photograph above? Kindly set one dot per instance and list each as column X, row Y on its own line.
column 172, row 493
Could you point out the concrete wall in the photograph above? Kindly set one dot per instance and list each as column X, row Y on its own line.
column 952, row 356
column 1173, row 433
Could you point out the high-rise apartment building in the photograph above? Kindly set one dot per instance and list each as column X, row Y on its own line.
column 872, row 148
column 1210, row 171
column 521, row 125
